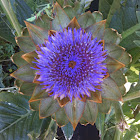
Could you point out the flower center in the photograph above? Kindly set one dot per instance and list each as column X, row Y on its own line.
column 72, row 64
column 73, row 67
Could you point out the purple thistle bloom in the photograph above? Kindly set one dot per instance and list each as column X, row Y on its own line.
column 71, row 64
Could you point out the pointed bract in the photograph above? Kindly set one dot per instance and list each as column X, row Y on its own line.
column 37, row 34
column 73, row 24
column 97, row 30
column 47, row 107
column 74, row 111
column 38, row 94
column 90, row 112
column 25, row 43
column 16, row 58
column 24, row 86
column 113, row 65
column 105, row 106
column 61, row 19
column 61, row 117
column 95, row 97
column 86, row 20
column 25, row 73
column 110, row 90
column 30, row 57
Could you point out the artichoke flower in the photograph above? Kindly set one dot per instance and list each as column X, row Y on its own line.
column 70, row 66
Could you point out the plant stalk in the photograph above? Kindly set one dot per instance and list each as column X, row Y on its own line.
column 133, row 95
column 130, row 31
column 120, row 121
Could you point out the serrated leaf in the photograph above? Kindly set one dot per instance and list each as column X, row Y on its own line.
column 17, row 120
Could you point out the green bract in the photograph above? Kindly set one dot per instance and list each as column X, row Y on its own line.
column 83, row 110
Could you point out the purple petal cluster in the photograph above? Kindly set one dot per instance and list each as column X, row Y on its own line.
column 71, row 64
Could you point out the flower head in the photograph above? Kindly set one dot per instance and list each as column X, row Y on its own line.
column 71, row 64
column 71, row 73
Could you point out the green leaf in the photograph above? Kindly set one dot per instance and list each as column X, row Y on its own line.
column 115, row 6
column 104, row 7
column 17, row 120
column 6, row 31
column 131, row 133
column 7, row 8
column 100, row 122
column 48, row 129
column 1, row 77
column 127, row 12
column 133, row 93
column 74, row 111
column 68, row 131
column 22, row 10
